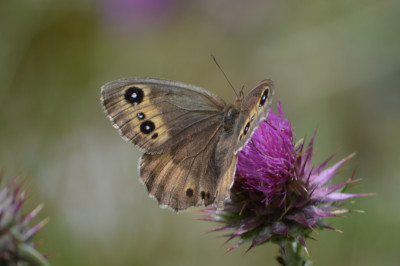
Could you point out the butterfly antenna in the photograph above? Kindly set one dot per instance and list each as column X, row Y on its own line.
column 215, row 61
column 263, row 154
column 269, row 123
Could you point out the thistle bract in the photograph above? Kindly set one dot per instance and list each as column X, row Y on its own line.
column 16, row 246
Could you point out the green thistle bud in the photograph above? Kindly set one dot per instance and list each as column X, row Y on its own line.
column 16, row 246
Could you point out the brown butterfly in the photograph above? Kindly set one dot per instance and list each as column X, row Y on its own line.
column 190, row 137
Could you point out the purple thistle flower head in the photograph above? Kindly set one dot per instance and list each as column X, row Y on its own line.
column 277, row 195
column 266, row 165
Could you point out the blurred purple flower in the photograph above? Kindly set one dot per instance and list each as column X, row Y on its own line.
column 137, row 15
column 277, row 195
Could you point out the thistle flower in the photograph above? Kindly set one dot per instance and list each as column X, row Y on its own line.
column 16, row 246
column 277, row 195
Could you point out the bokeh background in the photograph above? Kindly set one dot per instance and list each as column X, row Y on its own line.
column 335, row 64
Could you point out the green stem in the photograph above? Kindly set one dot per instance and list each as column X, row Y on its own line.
column 31, row 255
column 292, row 254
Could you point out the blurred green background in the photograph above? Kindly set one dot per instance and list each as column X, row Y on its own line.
column 335, row 64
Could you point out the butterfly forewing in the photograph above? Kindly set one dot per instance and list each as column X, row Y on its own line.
column 255, row 107
column 158, row 114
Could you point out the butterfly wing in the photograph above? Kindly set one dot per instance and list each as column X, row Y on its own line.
column 178, row 126
column 185, row 176
column 158, row 114
column 255, row 107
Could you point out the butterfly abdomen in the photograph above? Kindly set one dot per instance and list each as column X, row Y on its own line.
column 224, row 150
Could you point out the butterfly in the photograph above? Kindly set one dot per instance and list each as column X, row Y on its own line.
column 189, row 136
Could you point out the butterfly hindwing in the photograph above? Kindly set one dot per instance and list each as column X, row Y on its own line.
column 187, row 176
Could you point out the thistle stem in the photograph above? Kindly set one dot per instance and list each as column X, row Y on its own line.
column 292, row 254
column 31, row 255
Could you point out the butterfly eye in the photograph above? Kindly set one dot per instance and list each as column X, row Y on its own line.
column 246, row 128
column 147, row 127
column 264, row 97
column 134, row 95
